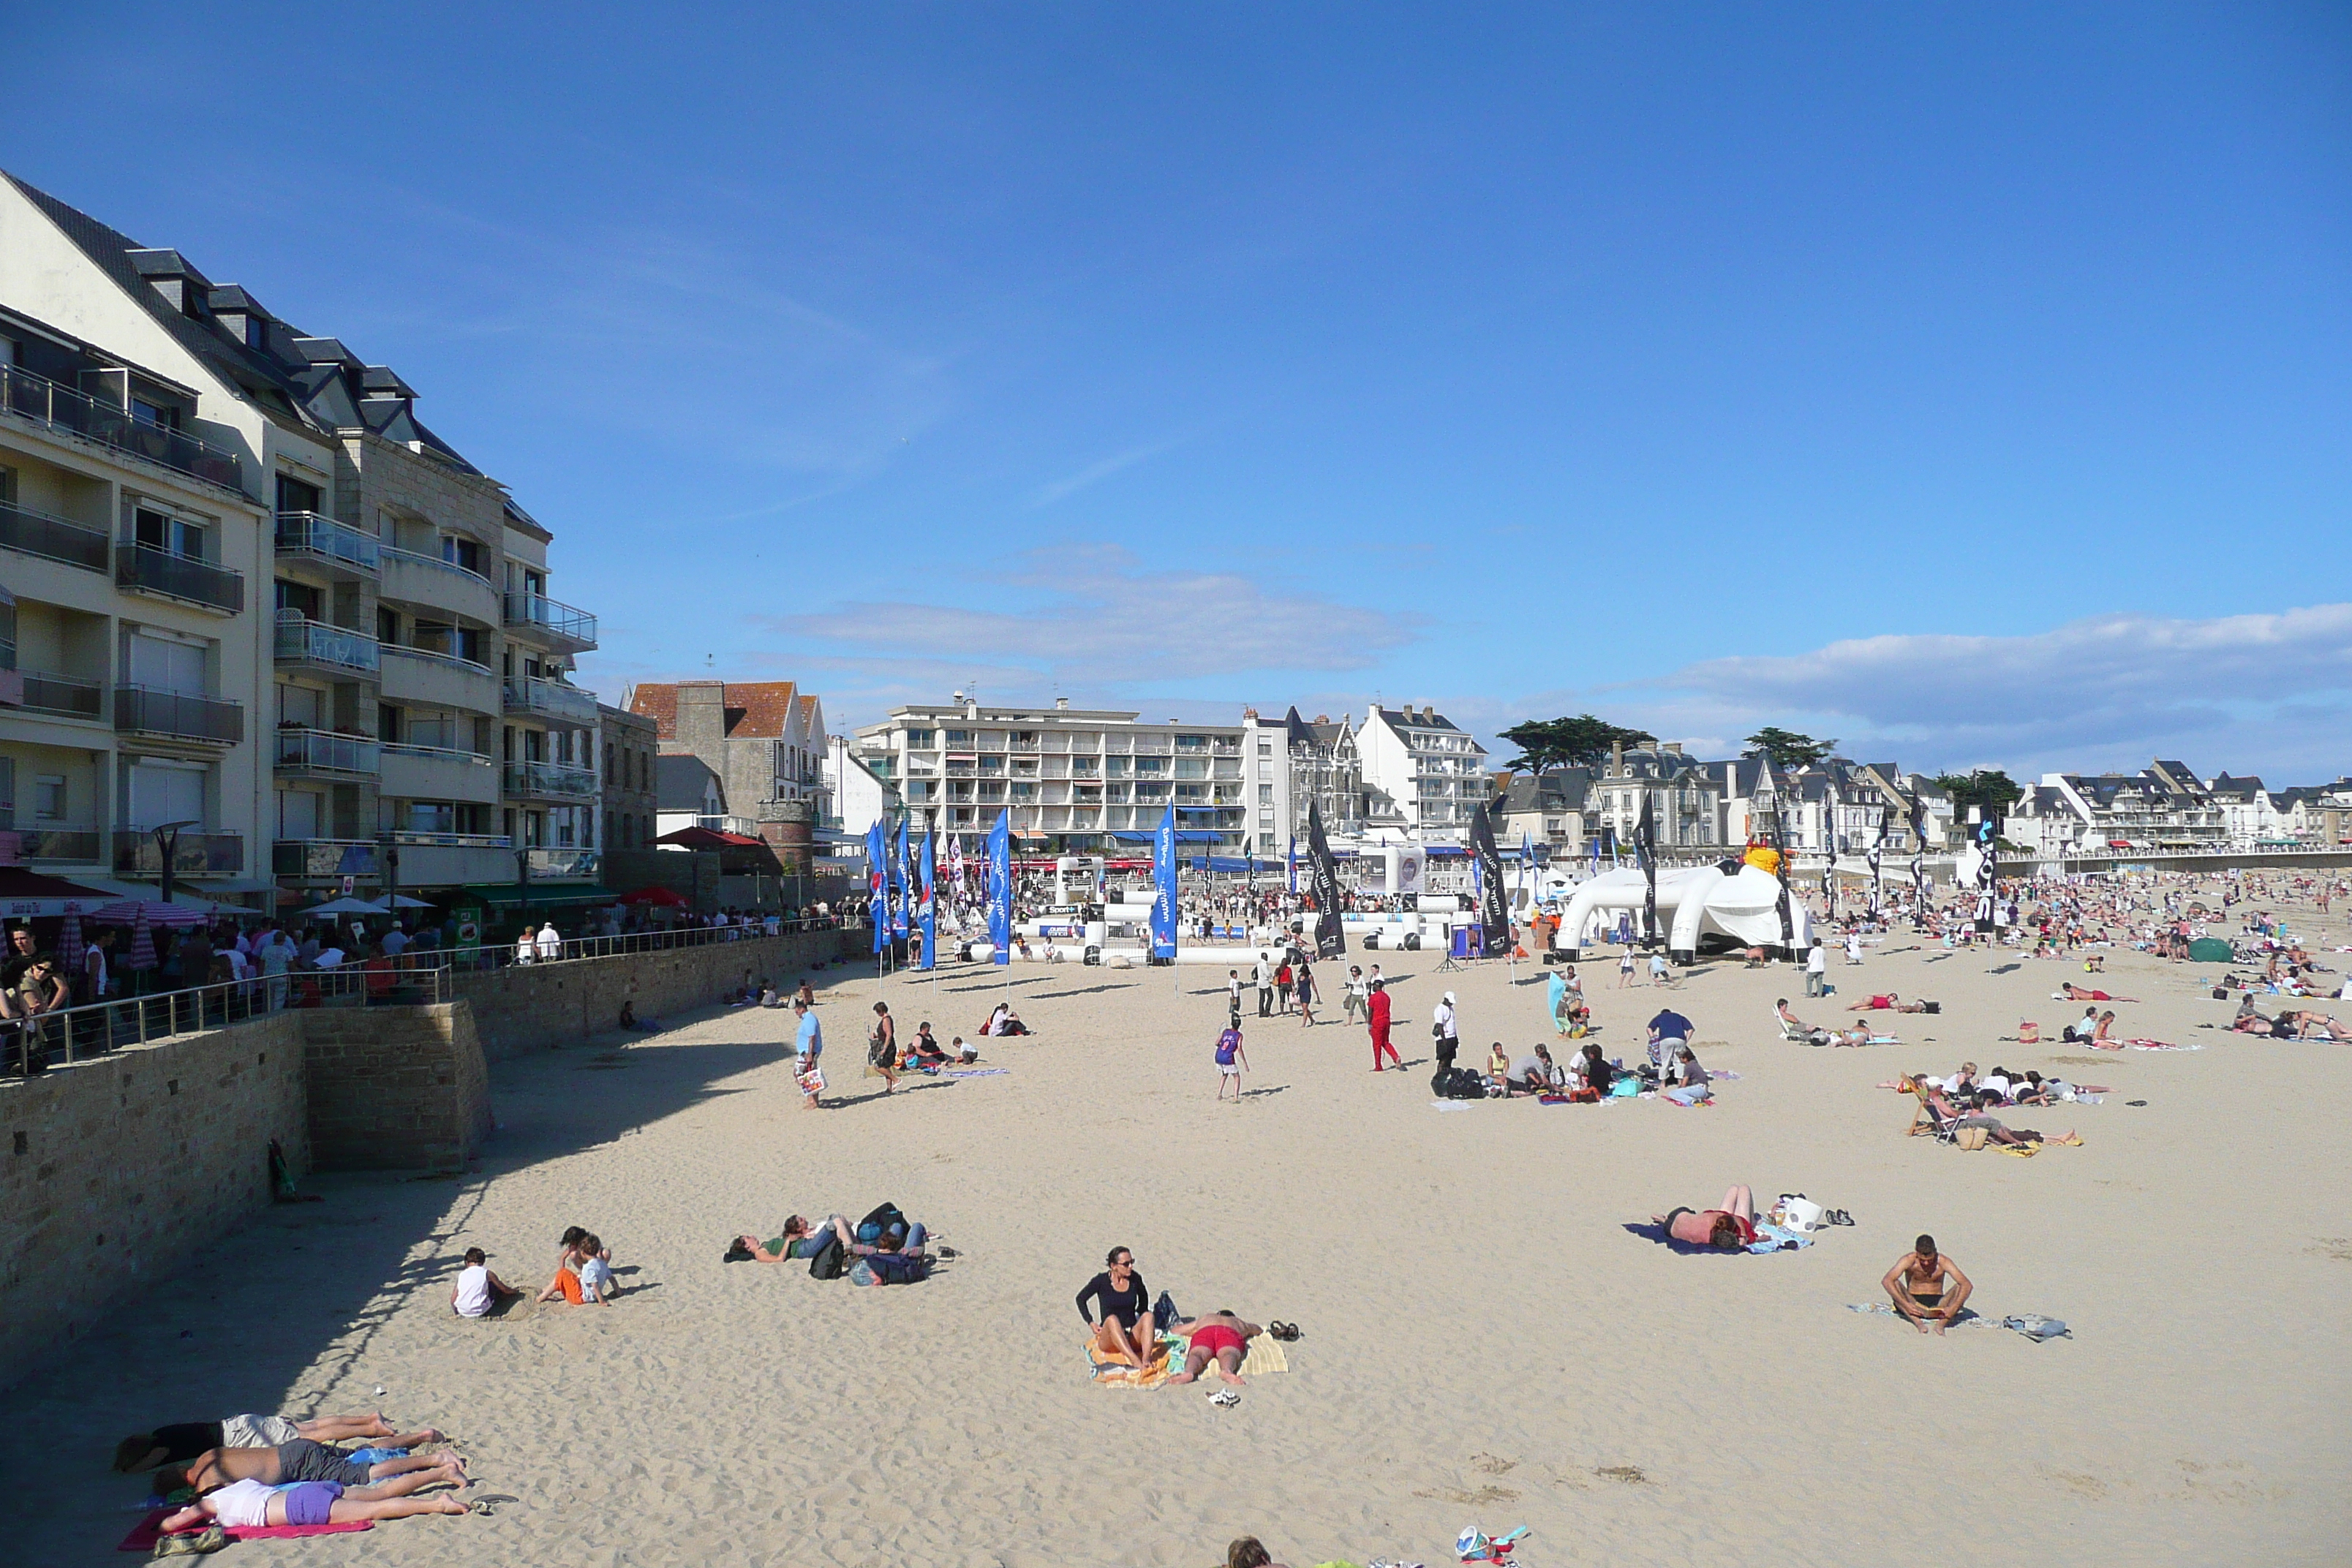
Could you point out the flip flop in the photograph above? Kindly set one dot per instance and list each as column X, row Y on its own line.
column 1224, row 1399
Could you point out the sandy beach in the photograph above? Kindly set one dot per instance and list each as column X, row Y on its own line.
column 1484, row 1339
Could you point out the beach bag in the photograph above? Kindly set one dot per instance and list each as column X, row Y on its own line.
column 1933, row 1007
column 1459, row 1083
column 885, row 1227
column 1584, row 1096
column 825, row 1264
column 1800, row 1213
column 2037, row 1328
column 1972, row 1138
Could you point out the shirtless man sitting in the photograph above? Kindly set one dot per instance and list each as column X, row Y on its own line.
column 1926, row 1288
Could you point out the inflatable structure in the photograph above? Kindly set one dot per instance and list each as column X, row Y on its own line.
column 1736, row 902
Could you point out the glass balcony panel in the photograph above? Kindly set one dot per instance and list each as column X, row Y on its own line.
column 153, row 570
column 64, row 695
column 194, row 853
column 320, row 750
column 186, row 715
column 308, row 534
column 61, row 407
column 300, row 640
column 38, row 533
column 553, row 616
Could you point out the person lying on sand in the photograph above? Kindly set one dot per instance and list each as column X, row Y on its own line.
column 1926, row 1288
column 1889, row 1002
column 1248, row 1552
column 800, row 1239
column 254, row 1504
column 1995, row 1130
column 181, row 1441
column 1727, row 1228
column 1127, row 1329
column 300, row 1460
column 1220, row 1339
column 2076, row 993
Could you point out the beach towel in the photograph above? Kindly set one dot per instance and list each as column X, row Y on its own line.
column 1770, row 1237
column 976, row 1072
column 2033, row 1325
column 2136, row 1045
column 148, row 1531
column 1121, row 1372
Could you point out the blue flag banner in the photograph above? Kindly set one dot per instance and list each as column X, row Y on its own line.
column 1293, row 862
column 898, row 891
column 930, row 906
column 1000, row 887
column 1163, row 882
column 878, row 899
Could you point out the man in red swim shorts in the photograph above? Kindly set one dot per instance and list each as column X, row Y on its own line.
column 1218, row 1340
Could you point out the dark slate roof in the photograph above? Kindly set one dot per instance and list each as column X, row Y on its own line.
column 679, row 781
column 1561, row 789
column 1411, row 719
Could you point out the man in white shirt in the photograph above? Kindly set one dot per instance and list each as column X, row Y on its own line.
column 1817, row 969
column 1854, row 947
column 551, row 946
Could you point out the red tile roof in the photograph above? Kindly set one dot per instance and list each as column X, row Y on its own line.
column 755, row 708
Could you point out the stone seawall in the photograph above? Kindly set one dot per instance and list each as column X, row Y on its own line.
column 118, row 1171
column 532, row 1007
column 401, row 1088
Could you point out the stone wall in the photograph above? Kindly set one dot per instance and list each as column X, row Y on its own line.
column 395, row 1088
column 115, row 1172
column 532, row 1006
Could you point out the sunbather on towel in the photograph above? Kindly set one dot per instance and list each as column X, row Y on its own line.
column 300, row 1460
column 184, row 1440
column 1729, row 1229
column 1926, row 1288
column 1220, row 1340
column 1995, row 1130
column 256, row 1505
column 2076, row 993
column 800, row 1239
column 1889, row 1002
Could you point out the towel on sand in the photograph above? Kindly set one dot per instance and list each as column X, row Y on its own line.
column 2136, row 1045
column 148, row 1531
column 1266, row 1354
column 977, row 1072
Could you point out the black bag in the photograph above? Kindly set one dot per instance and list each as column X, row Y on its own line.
column 886, row 1227
column 827, row 1263
column 1459, row 1083
column 1933, row 1007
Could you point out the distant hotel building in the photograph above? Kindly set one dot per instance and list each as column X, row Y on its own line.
column 1434, row 774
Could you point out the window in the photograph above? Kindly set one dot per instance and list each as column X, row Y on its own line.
column 387, row 627
column 50, row 797
column 463, row 553
column 300, row 597
column 960, row 738
column 1150, row 764
column 1265, row 795
column 174, row 535
column 163, row 666
column 159, row 792
column 295, row 495
column 297, row 814
column 298, row 705
column 922, row 740
column 161, row 415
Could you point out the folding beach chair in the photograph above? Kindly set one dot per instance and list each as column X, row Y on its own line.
column 1928, row 1119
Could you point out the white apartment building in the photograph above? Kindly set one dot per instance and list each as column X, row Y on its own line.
column 1435, row 774
column 2162, row 806
column 1077, row 780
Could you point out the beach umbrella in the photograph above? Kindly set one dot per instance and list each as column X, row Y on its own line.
column 342, row 907
column 70, row 940
column 143, row 943
column 132, row 911
column 400, row 901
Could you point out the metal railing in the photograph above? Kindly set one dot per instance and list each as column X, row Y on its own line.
column 136, row 853
column 553, row 616
column 321, row 751
column 61, row 407
column 308, row 534
column 38, row 533
column 436, row 656
column 572, row 949
column 75, row 844
column 556, row 779
column 303, row 640
column 418, row 558
column 316, row 857
column 183, row 577
column 551, row 700
column 74, row 1035
column 142, row 710
column 68, row 695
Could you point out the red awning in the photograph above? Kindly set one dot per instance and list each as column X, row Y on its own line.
column 708, row 838
column 662, row 896
column 23, row 882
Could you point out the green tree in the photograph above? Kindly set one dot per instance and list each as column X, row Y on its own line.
column 1546, row 743
column 1989, row 787
column 1787, row 749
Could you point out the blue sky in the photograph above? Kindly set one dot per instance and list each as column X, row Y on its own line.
column 1971, row 384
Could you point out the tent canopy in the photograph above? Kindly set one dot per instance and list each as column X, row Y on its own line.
column 708, row 838
column 342, row 907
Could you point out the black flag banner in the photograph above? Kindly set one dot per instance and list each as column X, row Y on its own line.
column 1492, row 915
column 1330, row 936
column 1645, row 849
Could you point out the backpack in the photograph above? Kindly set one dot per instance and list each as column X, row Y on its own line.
column 876, row 1230
column 826, row 1263
column 1458, row 1083
column 890, row 1269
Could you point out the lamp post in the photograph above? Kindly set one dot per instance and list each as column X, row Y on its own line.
column 167, row 846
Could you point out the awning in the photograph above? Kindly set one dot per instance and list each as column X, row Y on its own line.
column 148, row 892
column 26, row 893
column 1231, row 863
column 543, row 895
column 708, row 838
column 1182, row 837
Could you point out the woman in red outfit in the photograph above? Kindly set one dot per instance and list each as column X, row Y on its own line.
column 1378, row 1006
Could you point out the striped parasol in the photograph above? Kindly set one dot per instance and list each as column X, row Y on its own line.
column 69, row 941
column 142, row 944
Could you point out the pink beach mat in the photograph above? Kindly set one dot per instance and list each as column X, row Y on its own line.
column 148, row 1531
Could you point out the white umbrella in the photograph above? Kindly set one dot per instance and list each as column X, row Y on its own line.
column 342, row 907
column 400, row 901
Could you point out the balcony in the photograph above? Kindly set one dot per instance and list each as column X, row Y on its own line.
column 193, row 854
column 320, row 859
column 439, row 773
column 62, row 409
column 38, row 533
column 551, row 701
column 145, row 569
column 49, row 841
column 181, row 715
column 301, row 751
column 338, row 650
column 65, row 696
column 549, row 780
column 444, row 585
column 550, row 622
column 422, row 679
column 337, row 549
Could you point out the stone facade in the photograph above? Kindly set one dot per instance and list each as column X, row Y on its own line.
column 395, row 1088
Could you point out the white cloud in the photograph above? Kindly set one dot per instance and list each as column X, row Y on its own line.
column 1085, row 615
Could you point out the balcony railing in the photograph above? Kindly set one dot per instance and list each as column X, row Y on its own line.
column 61, row 407
column 553, row 616
column 49, row 842
column 558, row 865
column 551, row 699
column 300, row 640
column 38, row 533
column 323, row 751
column 417, row 558
column 193, row 854
column 556, row 779
column 64, row 695
column 316, row 857
column 308, row 534
column 152, row 571
column 184, row 715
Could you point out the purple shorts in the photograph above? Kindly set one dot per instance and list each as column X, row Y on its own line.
column 307, row 1502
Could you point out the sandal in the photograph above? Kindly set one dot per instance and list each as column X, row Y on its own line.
column 191, row 1543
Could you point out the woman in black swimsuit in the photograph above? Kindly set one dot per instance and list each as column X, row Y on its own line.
column 1126, row 1330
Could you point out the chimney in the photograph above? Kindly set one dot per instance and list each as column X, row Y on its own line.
column 701, row 727
column 1428, row 715
column 1616, row 757
column 1061, row 705
column 972, row 708
column 1672, row 747
column 1322, row 718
